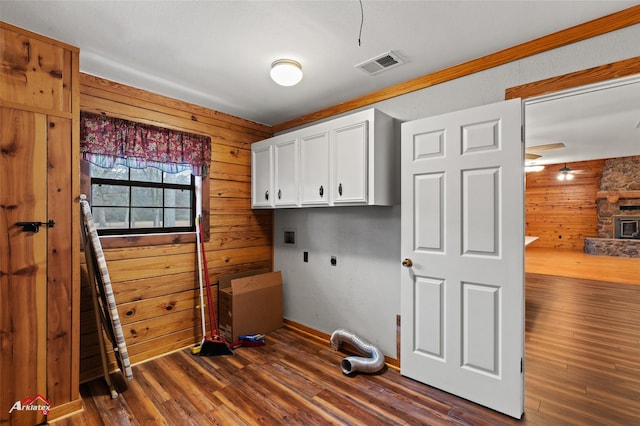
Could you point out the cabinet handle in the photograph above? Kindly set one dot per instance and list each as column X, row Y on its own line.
column 321, row 191
column 266, row 195
column 340, row 189
column 279, row 194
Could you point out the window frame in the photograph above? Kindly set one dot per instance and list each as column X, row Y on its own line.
column 147, row 239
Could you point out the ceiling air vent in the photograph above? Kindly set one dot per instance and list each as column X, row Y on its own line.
column 380, row 63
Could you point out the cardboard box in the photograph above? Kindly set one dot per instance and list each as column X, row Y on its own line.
column 250, row 302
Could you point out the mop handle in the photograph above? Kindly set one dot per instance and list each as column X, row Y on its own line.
column 212, row 314
column 204, row 329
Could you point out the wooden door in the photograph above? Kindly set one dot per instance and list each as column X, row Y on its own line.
column 350, row 163
column 462, row 234
column 23, row 263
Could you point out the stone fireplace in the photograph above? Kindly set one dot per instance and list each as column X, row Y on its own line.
column 627, row 227
column 618, row 204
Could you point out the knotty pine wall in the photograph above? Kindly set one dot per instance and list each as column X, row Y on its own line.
column 562, row 213
column 156, row 286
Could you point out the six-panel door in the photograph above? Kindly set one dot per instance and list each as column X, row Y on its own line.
column 462, row 238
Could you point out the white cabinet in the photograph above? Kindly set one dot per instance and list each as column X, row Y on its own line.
column 345, row 161
column 261, row 175
column 274, row 173
column 314, row 169
column 350, row 165
column 286, row 172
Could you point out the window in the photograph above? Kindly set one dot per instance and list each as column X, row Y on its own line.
column 125, row 200
column 138, row 179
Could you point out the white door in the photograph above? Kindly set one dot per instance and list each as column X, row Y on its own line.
column 462, row 299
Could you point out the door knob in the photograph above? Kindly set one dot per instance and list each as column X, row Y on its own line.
column 407, row 263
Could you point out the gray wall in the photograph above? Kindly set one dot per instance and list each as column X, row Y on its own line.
column 362, row 292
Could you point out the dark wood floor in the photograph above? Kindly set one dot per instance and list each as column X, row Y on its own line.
column 582, row 368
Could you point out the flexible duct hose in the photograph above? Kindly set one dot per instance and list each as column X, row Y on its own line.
column 374, row 363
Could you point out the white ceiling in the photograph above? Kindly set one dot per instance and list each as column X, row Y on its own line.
column 593, row 122
column 217, row 54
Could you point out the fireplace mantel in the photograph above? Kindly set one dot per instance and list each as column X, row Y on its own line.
column 614, row 196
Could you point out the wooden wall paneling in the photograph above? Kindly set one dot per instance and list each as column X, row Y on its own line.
column 156, row 286
column 92, row 86
column 562, row 213
column 157, row 325
column 150, row 287
column 229, row 189
column 149, row 309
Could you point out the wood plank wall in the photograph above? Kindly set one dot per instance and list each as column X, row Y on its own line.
column 562, row 213
column 156, row 286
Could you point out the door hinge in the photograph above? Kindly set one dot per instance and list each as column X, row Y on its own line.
column 521, row 365
column 521, row 133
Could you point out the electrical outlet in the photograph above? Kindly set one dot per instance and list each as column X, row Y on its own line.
column 334, row 261
column 305, row 256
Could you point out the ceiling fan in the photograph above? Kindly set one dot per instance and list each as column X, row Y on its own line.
column 567, row 173
column 532, row 152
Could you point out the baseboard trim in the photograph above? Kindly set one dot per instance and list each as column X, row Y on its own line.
column 63, row 411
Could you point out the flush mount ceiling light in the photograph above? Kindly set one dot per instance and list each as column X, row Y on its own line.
column 286, row 72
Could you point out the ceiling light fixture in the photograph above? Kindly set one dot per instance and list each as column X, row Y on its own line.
column 286, row 72
column 565, row 173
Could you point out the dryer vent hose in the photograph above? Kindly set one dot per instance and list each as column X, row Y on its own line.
column 350, row 364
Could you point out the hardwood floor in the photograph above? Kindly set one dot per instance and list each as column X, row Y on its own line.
column 576, row 264
column 582, row 368
column 293, row 379
column 582, row 349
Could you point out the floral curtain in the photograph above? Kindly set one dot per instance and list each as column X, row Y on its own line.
column 107, row 142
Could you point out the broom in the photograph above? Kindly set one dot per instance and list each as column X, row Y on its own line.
column 196, row 349
column 215, row 345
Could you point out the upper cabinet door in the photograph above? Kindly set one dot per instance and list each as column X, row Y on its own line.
column 350, row 164
column 36, row 72
column 286, row 172
column 314, row 169
column 262, row 176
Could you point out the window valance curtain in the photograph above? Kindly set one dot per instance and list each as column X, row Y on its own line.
column 107, row 142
